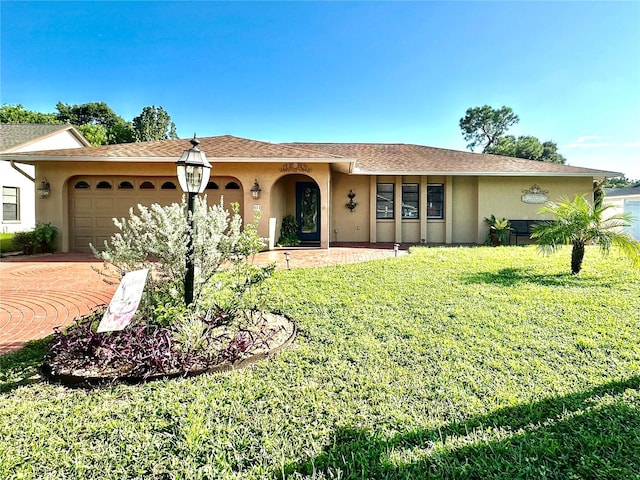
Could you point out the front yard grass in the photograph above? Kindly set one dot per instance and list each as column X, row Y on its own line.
column 6, row 242
column 446, row 363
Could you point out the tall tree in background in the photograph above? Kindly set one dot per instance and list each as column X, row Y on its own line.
column 154, row 123
column 18, row 114
column 97, row 121
column 484, row 126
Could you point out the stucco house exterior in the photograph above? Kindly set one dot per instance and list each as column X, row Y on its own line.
column 402, row 193
column 17, row 179
column 626, row 200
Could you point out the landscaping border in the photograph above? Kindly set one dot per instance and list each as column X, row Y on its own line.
column 70, row 380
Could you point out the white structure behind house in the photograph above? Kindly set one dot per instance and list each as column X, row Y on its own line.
column 17, row 179
column 626, row 200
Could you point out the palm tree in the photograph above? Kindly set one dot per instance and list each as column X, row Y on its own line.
column 578, row 222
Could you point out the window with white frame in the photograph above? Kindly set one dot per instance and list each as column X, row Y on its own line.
column 10, row 203
column 384, row 200
column 410, row 200
column 435, row 200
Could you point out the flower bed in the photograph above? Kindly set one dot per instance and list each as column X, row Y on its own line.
column 144, row 352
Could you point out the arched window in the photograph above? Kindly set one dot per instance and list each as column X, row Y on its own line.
column 212, row 186
column 147, row 185
column 168, row 186
column 103, row 184
column 232, row 186
column 81, row 185
column 125, row 185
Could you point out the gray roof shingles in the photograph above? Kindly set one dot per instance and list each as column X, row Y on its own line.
column 15, row 134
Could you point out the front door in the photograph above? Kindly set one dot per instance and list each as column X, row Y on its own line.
column 308, row 211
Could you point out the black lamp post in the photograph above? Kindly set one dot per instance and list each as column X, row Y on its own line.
column 193, row 175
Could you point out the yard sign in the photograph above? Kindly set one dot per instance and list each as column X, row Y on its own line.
column 125, row 302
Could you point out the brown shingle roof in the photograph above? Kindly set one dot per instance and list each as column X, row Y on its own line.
column 370, row 158
column 399, row 158
column 225, row 146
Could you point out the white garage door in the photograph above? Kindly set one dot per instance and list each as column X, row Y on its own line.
column 94, row 202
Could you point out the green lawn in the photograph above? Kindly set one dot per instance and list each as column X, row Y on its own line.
column 6, row 242
column 446, row 363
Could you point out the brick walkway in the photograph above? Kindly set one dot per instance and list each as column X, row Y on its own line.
column 40, row 293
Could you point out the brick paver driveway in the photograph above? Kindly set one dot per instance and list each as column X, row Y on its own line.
column 40, row 293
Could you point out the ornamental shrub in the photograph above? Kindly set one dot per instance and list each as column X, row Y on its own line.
column 156, row 239
column 289, row 232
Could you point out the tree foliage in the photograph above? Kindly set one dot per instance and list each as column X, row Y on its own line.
column 18, row 114
column 114, row 129
column 484, row 126
column 526, row 146
column 98, row 122
column 578, row 223
column 153, row 123
column 619, row 182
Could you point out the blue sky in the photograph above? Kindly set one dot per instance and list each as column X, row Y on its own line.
column 401, row 72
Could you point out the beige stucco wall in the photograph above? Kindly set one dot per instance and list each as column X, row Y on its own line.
column 55, row 208
column 464, row 209
column 467, row 199
column 502, row 196
column 346, row 225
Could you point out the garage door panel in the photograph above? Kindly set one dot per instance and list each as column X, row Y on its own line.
column 104, row 204
column 81, row 243
column 105, row 222
column 82, row 222
column 82, row 204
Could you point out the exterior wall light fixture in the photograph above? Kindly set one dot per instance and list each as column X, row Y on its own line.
column 44, row 189
column 351, row 205
column 256, row 190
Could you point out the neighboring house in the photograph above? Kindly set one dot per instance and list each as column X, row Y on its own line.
column 626, row 200
column 403, row 193
column 17, row 179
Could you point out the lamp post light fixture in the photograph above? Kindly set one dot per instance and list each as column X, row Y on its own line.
column 256, row 190
column 193, row 174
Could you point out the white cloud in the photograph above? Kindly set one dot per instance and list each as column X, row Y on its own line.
column 598, row 141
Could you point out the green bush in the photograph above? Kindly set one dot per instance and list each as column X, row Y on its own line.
column 38, row 240
column 289, row 232
column 44, row 234
column 25, row 242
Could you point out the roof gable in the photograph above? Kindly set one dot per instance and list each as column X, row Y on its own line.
column 14, row 136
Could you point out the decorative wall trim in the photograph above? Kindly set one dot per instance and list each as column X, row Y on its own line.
column 535, row 194
column 294, row 167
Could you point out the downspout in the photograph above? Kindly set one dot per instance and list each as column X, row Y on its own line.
column 15, row 167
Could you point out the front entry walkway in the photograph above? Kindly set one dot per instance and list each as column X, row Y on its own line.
column 40, row 293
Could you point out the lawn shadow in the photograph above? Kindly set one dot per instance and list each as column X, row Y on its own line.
column 509, row 277
column 22, row 367
column 573, row 436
